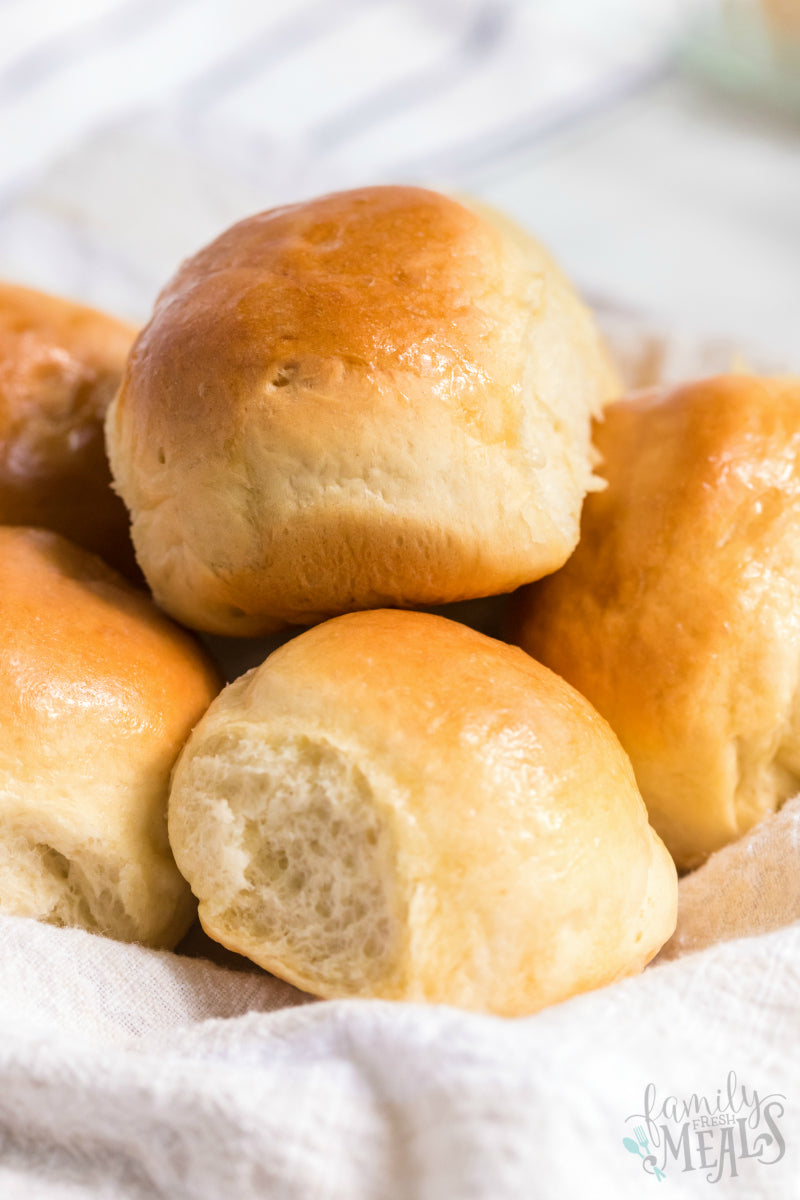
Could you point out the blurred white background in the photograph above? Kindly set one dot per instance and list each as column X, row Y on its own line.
column 653, row 144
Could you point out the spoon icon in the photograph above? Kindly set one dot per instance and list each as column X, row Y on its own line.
column 635, row 1148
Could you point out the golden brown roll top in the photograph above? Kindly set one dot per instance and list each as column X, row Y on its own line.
column 677, row 616
column 394, row 805
column 98, row 692
column 60, row 365
column 377, row 397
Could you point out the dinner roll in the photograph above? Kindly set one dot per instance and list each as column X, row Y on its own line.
column 380, row 397
column 60, row 364
column 98, row 692
column 677, row 616
column 396, row 806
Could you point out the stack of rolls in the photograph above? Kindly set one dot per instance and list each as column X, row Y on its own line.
column 340, row 412
column 99, row 689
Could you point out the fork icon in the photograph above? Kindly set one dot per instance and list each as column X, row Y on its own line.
column 642, row 1147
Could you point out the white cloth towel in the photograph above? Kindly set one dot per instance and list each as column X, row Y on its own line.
column 127, row 1072
column 132, row 1073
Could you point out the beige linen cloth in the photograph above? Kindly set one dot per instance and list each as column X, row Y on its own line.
column 127, row 1072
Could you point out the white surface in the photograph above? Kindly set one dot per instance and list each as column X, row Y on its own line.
column 678, row 204
column 316, row 88
column 135, row 130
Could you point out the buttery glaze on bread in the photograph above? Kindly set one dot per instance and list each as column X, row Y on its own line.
column 98, row 692
column 396, row 806
column 60, row 365
column 677, row 616
column 380, row 397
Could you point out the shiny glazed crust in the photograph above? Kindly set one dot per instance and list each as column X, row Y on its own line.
column 60, row 365
column 98, row 692
column 677, row 614
column 377, row 397
column 394, row 805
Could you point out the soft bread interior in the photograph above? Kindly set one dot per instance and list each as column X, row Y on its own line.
column 45, row 878
column 294, row 857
